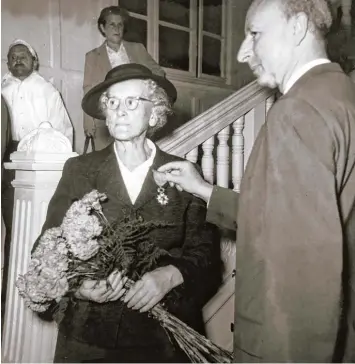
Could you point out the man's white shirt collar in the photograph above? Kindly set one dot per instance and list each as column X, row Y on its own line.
column 10, row 78
column 134, row 180
column 302, row 70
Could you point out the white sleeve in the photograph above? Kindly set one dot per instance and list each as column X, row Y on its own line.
column 58, row 115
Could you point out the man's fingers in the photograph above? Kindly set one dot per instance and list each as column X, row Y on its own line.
column 179, row 188
column 172, row 165
column 173, row 178
column 160, row 178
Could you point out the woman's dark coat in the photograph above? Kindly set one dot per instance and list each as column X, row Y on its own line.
column 111, row 331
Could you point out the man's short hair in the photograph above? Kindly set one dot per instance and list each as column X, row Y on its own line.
column 116, row 10
column 317, row 11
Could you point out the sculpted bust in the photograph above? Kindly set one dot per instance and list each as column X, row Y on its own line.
column 45, row 139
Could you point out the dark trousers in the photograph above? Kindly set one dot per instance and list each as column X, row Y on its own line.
column 7, row 206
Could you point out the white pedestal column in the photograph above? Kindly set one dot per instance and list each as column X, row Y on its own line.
column 27, row 338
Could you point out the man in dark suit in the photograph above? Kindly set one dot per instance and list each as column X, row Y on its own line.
column 99, row 326
column 295, row 251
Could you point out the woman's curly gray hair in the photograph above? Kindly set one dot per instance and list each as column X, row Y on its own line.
column 162, row 106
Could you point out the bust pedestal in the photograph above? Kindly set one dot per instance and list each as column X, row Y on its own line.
column 27, row 338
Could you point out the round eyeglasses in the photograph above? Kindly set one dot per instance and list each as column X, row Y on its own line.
column 131, row 102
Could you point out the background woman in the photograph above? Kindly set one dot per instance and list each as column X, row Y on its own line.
column 112, row 24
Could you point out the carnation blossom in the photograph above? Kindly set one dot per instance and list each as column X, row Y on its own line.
column 83, row 250
column 48, row 241
column 82, row 228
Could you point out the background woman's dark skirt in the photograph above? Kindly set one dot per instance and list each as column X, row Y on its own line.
column 7, row 206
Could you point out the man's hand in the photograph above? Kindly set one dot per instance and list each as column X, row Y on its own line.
column 185, row 177
column 152, row 288
column 104, row 290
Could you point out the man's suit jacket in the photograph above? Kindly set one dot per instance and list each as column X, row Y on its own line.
column 192, row 243
column 97, row 64
column 223, row 207
column 295, row 251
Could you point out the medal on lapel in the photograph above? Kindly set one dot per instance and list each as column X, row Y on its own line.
column 162, row 198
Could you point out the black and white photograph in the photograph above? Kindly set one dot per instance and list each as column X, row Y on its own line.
column 177, row 181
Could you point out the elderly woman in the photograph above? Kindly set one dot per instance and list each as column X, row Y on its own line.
column 99, row 326
column 115, row 51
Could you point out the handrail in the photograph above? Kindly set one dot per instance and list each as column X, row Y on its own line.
column 210, row 122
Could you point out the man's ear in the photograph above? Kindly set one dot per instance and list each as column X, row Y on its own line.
column 300, row 27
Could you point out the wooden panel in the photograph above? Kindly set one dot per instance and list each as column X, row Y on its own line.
column 26, row 20
column 79, row 33
column 218, row 328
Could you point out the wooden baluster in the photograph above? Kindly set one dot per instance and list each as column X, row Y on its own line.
column 238, row 153
column 192, row 155
column 223, row 158
column 207, row 160
column 346, row 18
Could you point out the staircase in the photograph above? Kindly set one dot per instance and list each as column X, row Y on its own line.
column 220, row 140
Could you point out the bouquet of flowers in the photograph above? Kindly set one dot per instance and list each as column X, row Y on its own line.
column 87, row 246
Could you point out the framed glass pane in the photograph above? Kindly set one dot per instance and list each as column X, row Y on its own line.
column 212, row 16
column 175, row 11
column 211, row 54
column 135, row 6
column 136, row 31
column 174, row 48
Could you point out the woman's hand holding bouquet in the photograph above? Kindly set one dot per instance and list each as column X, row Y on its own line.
column 105, row 290
column 152, row 288
column 93, row 260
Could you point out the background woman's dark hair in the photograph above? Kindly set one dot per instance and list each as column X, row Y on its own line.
column 113, row 10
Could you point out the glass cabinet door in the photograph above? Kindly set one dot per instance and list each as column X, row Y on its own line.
column 138, row 22
column 135, row 6
column 184, row 35
column 174, row 34
column 211, row 36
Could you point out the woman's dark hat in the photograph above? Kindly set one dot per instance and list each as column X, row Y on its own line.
column 90, row 103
